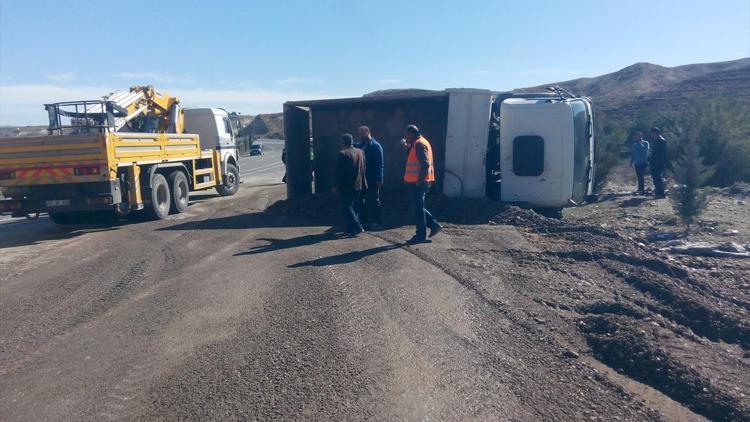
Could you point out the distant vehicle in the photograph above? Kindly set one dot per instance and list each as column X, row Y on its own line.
column 256, row 149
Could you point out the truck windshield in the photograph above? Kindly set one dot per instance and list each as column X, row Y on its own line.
column 581, row 149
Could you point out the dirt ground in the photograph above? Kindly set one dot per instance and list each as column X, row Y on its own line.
column 240, row 310
column 672, row 331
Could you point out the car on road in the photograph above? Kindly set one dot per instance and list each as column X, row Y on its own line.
column 256, row 149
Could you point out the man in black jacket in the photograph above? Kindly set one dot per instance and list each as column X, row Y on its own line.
column 658, row 160
column 350, row 181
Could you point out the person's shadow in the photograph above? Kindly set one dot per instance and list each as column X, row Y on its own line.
column 633, row 202
column 295, row 242
column 344, row 258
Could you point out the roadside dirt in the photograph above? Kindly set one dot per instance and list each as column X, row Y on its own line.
column 672, row 331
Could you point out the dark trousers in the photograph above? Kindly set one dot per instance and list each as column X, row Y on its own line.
column 422, row 216
column 640, row 173
column 347, row 206
column 369, row 205
column 656, row 174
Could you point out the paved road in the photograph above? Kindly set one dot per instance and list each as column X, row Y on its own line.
column 228, row 313
column 266, row 168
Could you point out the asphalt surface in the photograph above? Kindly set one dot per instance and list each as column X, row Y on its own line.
column 225, row 313
column 229, row 313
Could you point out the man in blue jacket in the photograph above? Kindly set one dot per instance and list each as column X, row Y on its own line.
column 369, row 205
column 639, row 159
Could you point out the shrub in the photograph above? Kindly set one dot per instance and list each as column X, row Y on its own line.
column 689, row 199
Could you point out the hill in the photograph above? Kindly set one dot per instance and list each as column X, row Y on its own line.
column 621, row 94
column 266, row 125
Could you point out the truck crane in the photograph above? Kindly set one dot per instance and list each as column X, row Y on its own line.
column 132, row 150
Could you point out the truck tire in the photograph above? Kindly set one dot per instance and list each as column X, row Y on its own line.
column 180, row 191
column 160, row 199
column 231, row 182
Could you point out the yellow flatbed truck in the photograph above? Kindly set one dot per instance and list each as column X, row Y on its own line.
column 66, row 175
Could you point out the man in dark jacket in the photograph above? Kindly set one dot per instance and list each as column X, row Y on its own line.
column 369, row 205
column 350, row 181
column 658, row 160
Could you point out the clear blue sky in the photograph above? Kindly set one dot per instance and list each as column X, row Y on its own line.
column 251, row 56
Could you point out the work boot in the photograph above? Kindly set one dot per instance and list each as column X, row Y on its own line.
column 435, row 229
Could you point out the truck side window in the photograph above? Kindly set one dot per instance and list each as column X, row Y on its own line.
column 528, row 155
column 227, row 126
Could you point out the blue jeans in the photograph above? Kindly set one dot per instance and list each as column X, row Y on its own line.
column 347, row 206
column 640, row 173
column 422, row 216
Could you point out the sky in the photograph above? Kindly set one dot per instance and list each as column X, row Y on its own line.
column 252, row 56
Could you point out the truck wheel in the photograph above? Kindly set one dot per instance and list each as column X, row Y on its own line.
column 62, row 218
column 231, row 181
column 158, row 209
column 180, row 191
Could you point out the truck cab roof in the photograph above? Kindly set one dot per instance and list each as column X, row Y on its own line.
column 195, row 111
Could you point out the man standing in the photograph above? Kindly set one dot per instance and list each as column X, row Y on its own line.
column 350, row 181
column 369, row 204
column 658, row 160
column 420, row 173
column 639, row 159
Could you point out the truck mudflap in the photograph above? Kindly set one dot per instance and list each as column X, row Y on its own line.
column 101, row 196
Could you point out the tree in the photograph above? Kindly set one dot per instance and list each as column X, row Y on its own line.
column 689, row 199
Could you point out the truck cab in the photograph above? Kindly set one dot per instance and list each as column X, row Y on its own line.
column 214, row 129
column 546, row 151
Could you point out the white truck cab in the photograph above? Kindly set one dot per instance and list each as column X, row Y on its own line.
column 546, row 151
column 546, row 147
column 214, row 129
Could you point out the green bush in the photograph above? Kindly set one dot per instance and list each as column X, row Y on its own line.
column 719, row 128
column 689, row 198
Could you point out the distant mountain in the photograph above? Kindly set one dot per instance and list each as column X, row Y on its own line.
column 620, row 95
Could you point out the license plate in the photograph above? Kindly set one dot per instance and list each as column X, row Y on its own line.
column 58, row 203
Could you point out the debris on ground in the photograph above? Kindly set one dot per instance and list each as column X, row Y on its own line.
column 726, row 249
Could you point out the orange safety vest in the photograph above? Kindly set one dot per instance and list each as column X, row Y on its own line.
column 413, row 167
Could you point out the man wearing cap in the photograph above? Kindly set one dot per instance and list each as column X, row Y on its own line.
column 658, row 160
column 420, row 173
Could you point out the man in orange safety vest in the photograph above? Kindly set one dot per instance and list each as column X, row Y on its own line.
column 420, row 174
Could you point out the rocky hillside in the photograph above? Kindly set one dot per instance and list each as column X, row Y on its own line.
column 620, row 95
column 265, row 125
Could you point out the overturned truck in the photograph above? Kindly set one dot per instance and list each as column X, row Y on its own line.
column 534, row 150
